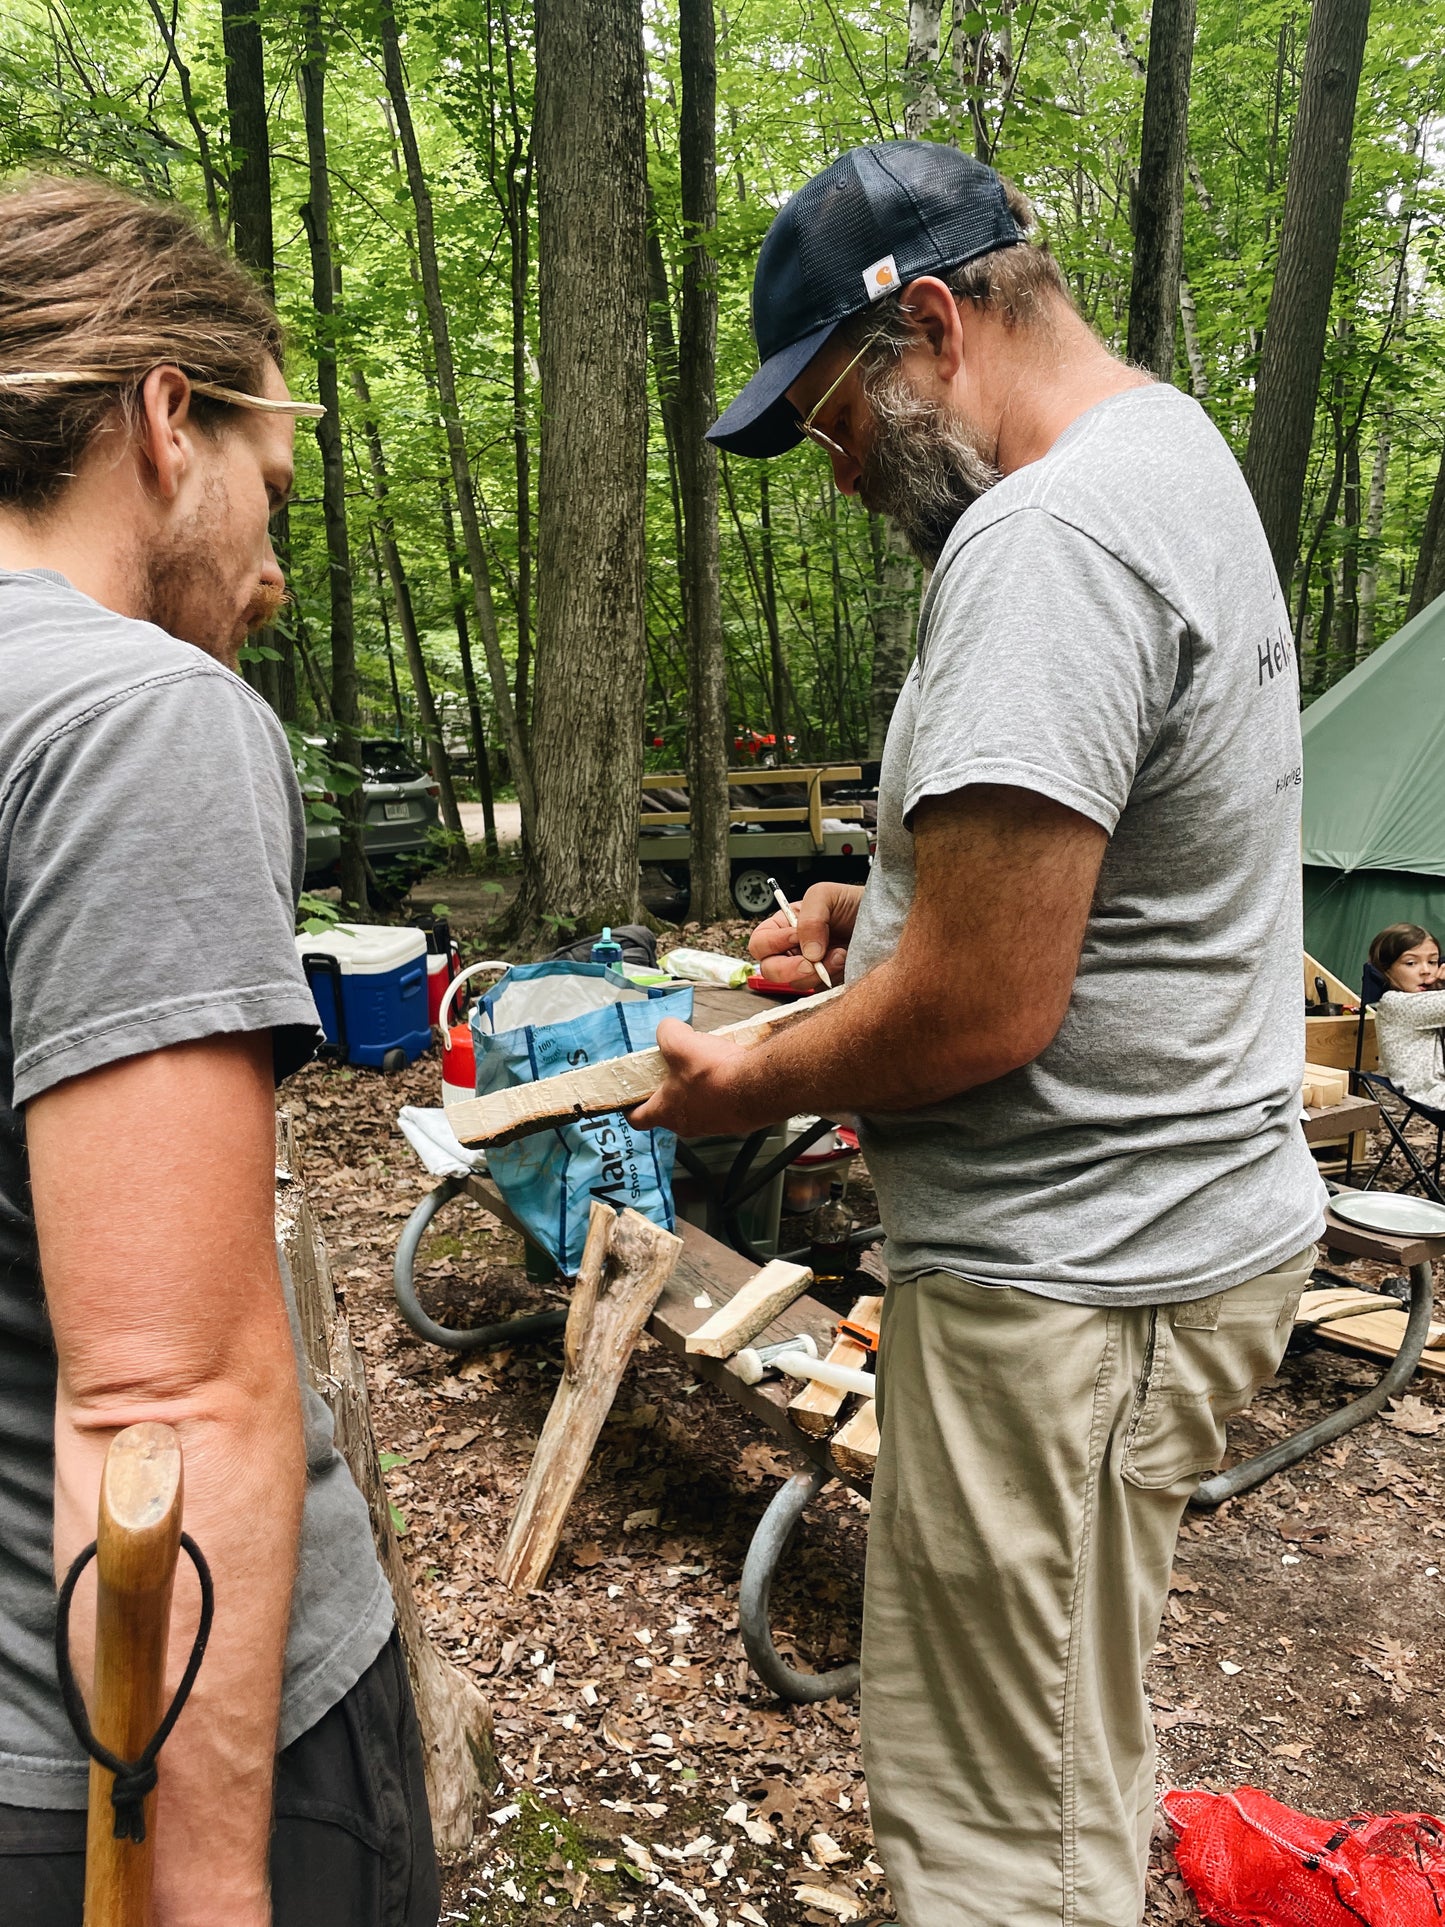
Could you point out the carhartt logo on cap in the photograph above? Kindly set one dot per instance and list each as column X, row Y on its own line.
column 881, row 278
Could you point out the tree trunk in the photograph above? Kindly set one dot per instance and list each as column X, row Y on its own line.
column 516, row 209
column 405, row 613
column 777, row 664
column 763, row 582
column 1374, row 523
column 1299, row 304
column 1347, row 608
column 921, row 103
column 1429, row 579
column 379, row 575
column 707, row 736
column 249, row 179
column 1193, row 354
column 1313, row 658
column 451, row 418
column 469, row 682
column 321, row 702
column 970, row 65
column 665, row 374
column 455, row 1720
column 250, row 143
column 890, row 609
column 1159, row 202
column 166, row 23
column 345, row 683
column 591, row 638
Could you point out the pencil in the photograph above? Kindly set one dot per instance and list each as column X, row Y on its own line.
column 788, row 911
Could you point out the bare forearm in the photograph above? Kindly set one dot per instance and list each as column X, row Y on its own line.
column 949, row 1010
column 244, row 1471
column 883, row 1047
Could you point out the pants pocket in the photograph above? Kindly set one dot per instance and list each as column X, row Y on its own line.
column 1202, row 1366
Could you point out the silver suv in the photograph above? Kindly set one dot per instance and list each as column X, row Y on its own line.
column 399, row 817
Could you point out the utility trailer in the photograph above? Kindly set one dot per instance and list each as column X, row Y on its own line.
column 820, row 832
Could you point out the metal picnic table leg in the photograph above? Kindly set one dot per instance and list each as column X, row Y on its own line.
column 538, row 1324
column 1396, row 1376
column 769, row 1542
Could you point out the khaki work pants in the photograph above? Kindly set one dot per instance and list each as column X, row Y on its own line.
column 1035, row 1463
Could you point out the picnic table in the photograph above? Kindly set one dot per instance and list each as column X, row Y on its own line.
column 1325, row 1123
column 710, row 1272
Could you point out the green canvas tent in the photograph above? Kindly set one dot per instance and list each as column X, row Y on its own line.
column 1374, row 797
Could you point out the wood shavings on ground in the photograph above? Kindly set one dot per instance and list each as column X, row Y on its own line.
column 1323, row 1589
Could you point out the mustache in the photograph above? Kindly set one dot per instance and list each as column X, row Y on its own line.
column 264, row 607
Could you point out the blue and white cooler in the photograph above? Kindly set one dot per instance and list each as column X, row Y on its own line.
column 370, row 986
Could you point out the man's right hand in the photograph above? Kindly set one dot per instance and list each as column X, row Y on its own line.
column 826, row 916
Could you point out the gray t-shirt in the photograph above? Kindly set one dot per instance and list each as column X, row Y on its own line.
column 151, row 847
column 1105, row 628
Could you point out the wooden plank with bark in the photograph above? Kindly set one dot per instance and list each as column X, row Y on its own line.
column 855, row 1445
column 501, row 1117
column 750, row 1311
column 707, row 1275
column 817, row 1406
column 455, row 1720
column 1361, row 1321
column 626, row 1261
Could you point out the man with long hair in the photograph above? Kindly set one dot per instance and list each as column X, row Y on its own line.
column 151, row 850
column 1072, row 1026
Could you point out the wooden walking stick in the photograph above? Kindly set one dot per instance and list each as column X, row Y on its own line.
column 138, row 1535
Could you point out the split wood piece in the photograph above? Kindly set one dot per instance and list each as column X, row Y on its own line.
column 137, row 1538
column 709, row 1273
column 503, row 1116
column 855, row 1445
column 626, row 1261
column 1324, row 1086
column 1356, row 1322
column 816, row 1406
column 751, row 1310
column 455, row 1720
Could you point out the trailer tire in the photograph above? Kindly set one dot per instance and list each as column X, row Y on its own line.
column 752, row 892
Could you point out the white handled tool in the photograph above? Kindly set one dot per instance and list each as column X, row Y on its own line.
column 798, row 1364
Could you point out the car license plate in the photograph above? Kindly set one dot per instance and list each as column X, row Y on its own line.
column 397, row 812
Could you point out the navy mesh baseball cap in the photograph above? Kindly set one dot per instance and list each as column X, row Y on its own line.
column 866, row 226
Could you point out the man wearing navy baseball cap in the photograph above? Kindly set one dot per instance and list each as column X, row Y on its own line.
column 1072, row 1026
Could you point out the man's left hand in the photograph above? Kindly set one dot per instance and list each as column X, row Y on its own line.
column 698, row 1098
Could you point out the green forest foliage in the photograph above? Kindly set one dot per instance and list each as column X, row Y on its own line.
column 1052, row 89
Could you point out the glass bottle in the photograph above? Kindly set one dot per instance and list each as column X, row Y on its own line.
column 829, row 1251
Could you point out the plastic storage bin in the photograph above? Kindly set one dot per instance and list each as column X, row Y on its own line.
column 369, row 981
column 758, row 1219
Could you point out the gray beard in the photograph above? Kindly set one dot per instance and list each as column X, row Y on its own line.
column 925, row 466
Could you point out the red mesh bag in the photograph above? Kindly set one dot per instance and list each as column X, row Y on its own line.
column 1250, row 1862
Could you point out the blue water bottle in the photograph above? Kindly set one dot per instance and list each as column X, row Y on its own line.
column 607, row 950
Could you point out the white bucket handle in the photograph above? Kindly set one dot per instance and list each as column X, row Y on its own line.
column 454, row 986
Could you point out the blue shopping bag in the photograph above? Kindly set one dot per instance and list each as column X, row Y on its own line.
column 543, row 1018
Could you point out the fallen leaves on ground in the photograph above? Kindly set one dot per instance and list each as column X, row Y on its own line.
column 1322, row 1590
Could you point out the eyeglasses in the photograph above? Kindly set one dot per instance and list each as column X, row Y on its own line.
column 235, row 396
column 805, row 422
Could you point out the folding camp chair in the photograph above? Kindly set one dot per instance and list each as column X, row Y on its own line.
column 1397, row 1110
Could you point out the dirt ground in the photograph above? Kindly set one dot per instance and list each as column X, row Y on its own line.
column 648, row 1777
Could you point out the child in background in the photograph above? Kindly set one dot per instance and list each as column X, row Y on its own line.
column 1410, row 1015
